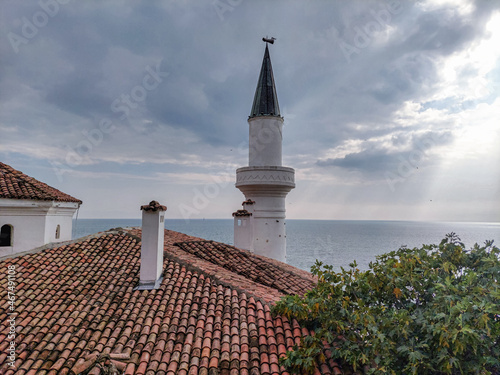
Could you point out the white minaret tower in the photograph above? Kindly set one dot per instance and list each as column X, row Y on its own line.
column 260, row 225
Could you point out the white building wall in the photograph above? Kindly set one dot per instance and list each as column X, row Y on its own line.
column 243, row 232
column 28, row 232
column 269, row 229
column 62, row 217
column 34, row 223
column 266, row 135
column 268, row 187
column 270, row 238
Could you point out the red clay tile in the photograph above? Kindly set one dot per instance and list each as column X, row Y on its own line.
column 16, row 185
column 210, row 315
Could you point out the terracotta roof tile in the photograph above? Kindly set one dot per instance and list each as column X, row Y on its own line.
column 253, row 268
column 211, row 315
column 16, row 185
column 239, row 213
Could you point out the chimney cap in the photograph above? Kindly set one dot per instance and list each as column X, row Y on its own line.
column 242, row 213
column 153, row 206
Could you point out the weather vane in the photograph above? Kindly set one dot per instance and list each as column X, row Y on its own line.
column 269, row 40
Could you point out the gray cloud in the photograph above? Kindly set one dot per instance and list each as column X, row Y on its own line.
column 374, row 158
column 65, row 79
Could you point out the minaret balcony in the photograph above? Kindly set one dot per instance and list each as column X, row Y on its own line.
column 267, row 175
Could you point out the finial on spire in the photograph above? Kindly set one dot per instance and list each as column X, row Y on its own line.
column 269, row 40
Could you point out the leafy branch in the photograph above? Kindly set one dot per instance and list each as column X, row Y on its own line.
column 428, row 310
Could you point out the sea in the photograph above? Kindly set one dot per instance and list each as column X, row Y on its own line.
column 333, row 242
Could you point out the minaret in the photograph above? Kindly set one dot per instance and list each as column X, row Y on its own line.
column 260, row 225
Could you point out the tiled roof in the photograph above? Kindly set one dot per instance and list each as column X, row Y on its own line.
column 16, row 185
column 245, row 264
column 76, row 306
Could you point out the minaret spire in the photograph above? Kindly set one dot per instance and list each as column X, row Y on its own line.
column 265, row 102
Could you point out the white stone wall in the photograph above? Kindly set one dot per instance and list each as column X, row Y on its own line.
column 28, row 232
column 243, row 232
column 268, row 225
column 268, row 187
column 63, row 217
column 266, row 182
column 270, row 236
column 266, row 135
column 34, row 222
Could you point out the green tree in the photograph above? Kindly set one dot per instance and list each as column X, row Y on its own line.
column 429, row 310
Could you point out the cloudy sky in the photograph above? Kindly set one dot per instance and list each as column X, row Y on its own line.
column 392, row 108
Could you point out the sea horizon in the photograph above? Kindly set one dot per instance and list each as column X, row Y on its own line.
column 334, row 242
column 225, row 218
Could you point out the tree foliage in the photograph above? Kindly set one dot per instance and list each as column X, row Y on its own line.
column 429, row 310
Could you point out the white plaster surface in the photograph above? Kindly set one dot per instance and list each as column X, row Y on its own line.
column 152, row 247
column 265, row 139
column 266, row 182
column 34, row 222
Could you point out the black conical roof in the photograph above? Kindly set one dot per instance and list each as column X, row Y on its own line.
column 265, row 102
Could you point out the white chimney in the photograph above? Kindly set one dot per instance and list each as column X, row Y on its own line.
column 153, row 217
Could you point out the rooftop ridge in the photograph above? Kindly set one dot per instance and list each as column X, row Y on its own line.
column 53, row 245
